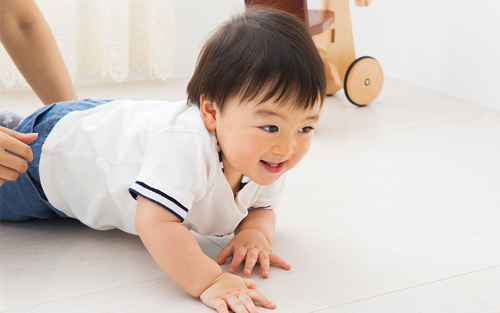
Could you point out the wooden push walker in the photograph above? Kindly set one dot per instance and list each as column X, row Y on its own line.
column 362, row 78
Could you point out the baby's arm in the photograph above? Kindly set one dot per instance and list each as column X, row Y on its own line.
column 178, row 254
column 174, row 248
column 252, row 243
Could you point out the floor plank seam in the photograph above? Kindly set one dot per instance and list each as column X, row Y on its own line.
column 408, row 288
column 81, row 295
column 410, row 225
column 469, row 296
column 218, row 245
column 376, row 296
column 473, row 272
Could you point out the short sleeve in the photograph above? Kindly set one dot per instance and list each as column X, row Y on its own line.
column 270, row 195
column 175, row 171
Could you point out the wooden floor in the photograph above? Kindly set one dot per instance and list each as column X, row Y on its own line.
column 396, row 208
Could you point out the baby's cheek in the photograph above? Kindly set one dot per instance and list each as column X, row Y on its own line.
column 304, row 149
column 244, row 159
column 301, row 153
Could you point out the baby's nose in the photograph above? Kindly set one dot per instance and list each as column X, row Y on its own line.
column 283, row 147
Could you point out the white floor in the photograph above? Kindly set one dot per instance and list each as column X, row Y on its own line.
column 395, row 209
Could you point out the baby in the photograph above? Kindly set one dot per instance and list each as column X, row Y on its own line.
column 213, row 164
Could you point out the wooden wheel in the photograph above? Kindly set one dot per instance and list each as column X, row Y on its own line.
column 363, row 81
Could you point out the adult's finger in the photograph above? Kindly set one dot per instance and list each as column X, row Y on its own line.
column 13, row 162
column 7, row 174
column 9, row 142
column 25, row 138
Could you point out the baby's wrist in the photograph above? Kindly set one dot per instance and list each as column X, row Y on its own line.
column 207, row 280
column 257, row 232
column 248, row 230
column 214, row 281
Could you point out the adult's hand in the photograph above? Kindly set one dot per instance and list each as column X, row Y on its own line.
column 15, row 154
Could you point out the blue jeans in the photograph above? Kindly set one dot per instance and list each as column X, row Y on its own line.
column 24, row 199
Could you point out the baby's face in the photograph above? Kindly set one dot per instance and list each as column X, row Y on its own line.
column 264, row 141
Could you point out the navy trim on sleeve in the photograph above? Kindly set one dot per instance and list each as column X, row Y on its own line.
column 159, row 192
column 160, row 198
column 262, row 207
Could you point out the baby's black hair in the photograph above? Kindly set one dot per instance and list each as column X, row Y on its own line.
column 262, row 54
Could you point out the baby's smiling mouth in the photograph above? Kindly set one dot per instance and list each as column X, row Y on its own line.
column 271, row 164
column 273, row 167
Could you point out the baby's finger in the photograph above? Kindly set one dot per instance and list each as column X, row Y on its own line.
column 259, row 297
column 275, row 259
column 248, row 303
column 224, row 254
column 238, row 257
column 264, row 264
column 249, row 283
column 236, row 305
column 251, row 260
column 220, row 305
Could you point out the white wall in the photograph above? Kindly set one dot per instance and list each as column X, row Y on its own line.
column 449, row 46
column 194, row 19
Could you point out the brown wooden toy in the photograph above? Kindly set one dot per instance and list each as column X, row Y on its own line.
column 362, row 78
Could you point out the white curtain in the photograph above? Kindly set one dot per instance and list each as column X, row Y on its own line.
column 107, row 37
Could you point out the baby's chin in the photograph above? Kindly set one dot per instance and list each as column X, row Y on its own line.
column 264, row 181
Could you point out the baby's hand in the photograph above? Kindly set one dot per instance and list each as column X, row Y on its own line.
column 252, row 246
column 231, row 291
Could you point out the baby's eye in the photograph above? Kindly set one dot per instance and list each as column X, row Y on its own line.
column 270, row 128
column 305, row 130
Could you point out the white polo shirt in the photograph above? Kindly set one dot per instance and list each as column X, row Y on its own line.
column 94, row 163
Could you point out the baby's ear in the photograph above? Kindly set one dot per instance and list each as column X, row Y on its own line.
column 208, row 112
